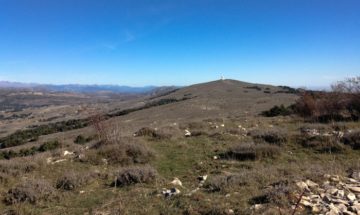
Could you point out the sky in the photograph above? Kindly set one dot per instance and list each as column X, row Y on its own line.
column 302, row 43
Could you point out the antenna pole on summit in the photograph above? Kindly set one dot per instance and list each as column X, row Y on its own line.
column 222, row 78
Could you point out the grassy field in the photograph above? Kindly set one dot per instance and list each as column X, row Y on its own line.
column 233, row 185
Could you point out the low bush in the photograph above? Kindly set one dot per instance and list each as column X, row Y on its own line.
column 278, row 111
column 273, row 136
column 120, row 153
column 135, row 175
column 352, row 139
column 72, row 180
column 31, row 191
column 251, row 151
column 321, row 143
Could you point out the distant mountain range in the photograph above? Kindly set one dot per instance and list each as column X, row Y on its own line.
column 79, row 88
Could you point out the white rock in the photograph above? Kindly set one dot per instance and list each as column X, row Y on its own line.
column 176, row 182
column 202, row 178
column 216, row 157
column 351, row 197
column 302, row 185
column 65, row 153
column 354, row 189
column 230, row 211
column 311, row 184
column 187, row 133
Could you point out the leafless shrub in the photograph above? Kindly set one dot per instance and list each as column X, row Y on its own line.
column 272, row 136
column 251, row 151
column 32, row 191
column 72, row 180
column 352, row 139
column 135, row 175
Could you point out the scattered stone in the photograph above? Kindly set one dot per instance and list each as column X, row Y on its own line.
column 216, row 157
column 187, row 133
column 340, row 196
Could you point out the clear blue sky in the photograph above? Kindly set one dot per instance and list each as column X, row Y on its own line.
column 179, row 42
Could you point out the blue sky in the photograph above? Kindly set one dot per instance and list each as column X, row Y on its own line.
column 179, row 42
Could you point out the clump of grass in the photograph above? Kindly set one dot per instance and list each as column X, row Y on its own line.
column 251, row 151
column 72, row 180
column 135, row 175
column 352, row 139
column 321, row 143
column 272, row 136
column 31, row 191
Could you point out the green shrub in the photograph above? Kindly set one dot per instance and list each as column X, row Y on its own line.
column 278, row 111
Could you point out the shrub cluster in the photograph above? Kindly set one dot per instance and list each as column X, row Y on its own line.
column 321, row 143
column 135, row 175
column 23, row 136
column 47, row 146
